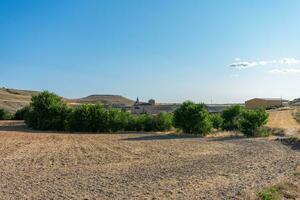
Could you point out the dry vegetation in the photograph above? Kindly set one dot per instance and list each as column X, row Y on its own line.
column 45, row 165
column 285, row 121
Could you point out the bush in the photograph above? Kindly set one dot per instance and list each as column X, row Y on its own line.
column 160, row 122
column 119, row 120
column 163, row 122
column 21, row 113
column 4, row 115
column 88, row 117
column 252, row 121
column 231, row 118
column 192, row 118
column 47, row 111
column 216, row 120
column 94, row 118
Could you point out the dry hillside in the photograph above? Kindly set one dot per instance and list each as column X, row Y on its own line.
column 12, row 99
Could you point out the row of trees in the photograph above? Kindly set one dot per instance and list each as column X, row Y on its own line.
column 194, row 118
column 48, row 111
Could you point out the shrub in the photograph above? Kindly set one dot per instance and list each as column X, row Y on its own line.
column 231, row 118
column 163, row 122
column 216, row 120
column 4, row 115
column 21, row 113
column 119, row 120
column 47, row 111
column 192, row 118
column 252, row 121
column 88, row 117
column 146, row 122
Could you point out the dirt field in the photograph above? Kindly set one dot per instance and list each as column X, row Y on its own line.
column 284, row 120
column 39, row 165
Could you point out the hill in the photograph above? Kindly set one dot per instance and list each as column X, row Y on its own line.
column 104, row 99
column 14, row 99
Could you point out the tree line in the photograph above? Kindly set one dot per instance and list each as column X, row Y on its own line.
column 48, row 111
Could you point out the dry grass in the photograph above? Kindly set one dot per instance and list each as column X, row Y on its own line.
column 283, row 121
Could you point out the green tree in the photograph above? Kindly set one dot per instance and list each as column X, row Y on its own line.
column 162, row 122
column 252, row 121
column 231, row 118
column 89, row 118
column 4, row 115
column 217, row 121
column 192, row 118
column 118, row 120
column 21, row 113
column 47, row 111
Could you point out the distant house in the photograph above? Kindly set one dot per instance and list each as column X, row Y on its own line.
column 151, row 107
column 266, row 103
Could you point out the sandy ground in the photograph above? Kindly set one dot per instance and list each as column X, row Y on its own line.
column 44, row 165
column 284, row 120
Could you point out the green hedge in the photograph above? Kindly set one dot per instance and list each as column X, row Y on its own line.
column 49, row 112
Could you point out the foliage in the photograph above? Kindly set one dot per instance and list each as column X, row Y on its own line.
column 47, row 111
column 163, row 122
column 231, row 118
column 21, row 113
column 118, row 120
column 95, row 118
column 269, row 194
column 192, row 118
column 252, row 121
column 4, row 115
column 216, row 120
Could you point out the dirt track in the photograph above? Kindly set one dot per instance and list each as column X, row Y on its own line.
column 136, row 166
column 284, row 120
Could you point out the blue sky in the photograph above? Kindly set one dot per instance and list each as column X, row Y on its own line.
column 219, row 50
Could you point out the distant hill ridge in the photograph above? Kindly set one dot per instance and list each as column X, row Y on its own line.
column 14, row 99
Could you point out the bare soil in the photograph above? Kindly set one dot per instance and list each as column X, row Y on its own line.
column 284, row 120
column 45, row 165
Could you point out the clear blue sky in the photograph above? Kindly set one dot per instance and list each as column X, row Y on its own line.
column 170, row 50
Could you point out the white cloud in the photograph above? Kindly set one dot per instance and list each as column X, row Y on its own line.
column 285, row 71
column 238, row 64
column 289, row 61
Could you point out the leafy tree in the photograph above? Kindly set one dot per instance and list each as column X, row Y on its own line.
column 192, row 118
column 88, row 117
column 252, row 121
column 21, row 113
column 47, row 111
column 162, row 122
column 118, row 120
column 231, row 117
column 147, row 122
column 217, row 121
column 4, row 115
